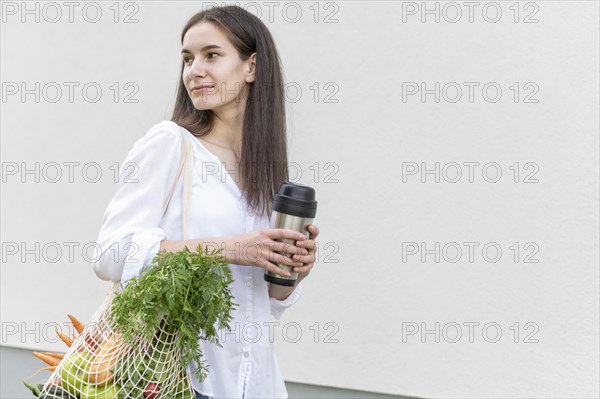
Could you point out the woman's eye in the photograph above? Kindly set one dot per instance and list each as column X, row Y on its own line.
column 209, row 56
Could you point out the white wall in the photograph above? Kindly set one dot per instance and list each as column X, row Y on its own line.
column 371, row 138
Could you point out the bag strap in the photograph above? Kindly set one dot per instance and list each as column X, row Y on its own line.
column 186, row 161
column 187, row 187
column 179, row 169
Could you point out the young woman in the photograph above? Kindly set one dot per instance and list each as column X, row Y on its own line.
column 230, row 103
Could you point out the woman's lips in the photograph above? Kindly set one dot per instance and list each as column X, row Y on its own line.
column 202, row 89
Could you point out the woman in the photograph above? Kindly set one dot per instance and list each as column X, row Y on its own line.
column 230, row 102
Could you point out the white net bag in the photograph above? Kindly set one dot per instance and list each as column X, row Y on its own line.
column 100, row 364
column 142, row 339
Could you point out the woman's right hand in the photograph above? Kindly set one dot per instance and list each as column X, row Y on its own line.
column 259, row 248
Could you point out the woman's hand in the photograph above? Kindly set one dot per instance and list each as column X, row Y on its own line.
column 308, row 260
column 259, row 248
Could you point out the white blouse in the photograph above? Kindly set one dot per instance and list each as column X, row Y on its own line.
column 133, row 226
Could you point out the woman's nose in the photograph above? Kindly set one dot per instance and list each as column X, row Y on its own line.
column 197, row 69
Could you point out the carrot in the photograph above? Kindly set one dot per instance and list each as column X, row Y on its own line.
column 67, row 340
column 76, row 323
column 51, row 368
column 52, row 361
column 92, row 342
column 56, row 355
column 89, row 343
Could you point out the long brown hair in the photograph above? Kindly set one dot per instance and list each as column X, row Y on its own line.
column 263, row 160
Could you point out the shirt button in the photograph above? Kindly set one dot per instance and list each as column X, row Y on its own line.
column 246, row 354
column 249, row 283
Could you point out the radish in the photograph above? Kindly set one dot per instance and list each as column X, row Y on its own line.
column 151, row 391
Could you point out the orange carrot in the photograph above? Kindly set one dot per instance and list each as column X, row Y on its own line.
column 89, row 343
column 48, row 359
column 56, row 355
column 76, row 323
column 93, row 343
column 67, row 340
column 51, row 368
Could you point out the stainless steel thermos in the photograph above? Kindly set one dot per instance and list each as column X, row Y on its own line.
column 294, row 208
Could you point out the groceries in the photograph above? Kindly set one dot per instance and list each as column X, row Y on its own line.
column 103, row 369
column 140, row 342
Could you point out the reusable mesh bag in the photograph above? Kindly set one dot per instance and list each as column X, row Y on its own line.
column 102, row 364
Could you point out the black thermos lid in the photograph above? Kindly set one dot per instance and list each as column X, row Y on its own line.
column 295, row 199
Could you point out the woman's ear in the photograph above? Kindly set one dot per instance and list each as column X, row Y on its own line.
column 251, row 68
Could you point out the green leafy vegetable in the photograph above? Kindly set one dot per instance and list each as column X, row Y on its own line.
column 185, row 293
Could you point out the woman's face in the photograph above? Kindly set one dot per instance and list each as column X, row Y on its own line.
column 213, row 73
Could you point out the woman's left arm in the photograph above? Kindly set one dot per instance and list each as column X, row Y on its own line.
column 281, row 292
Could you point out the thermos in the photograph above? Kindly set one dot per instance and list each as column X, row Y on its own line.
column 294, row 208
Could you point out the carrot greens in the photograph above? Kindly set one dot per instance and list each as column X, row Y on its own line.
column 185, row 293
